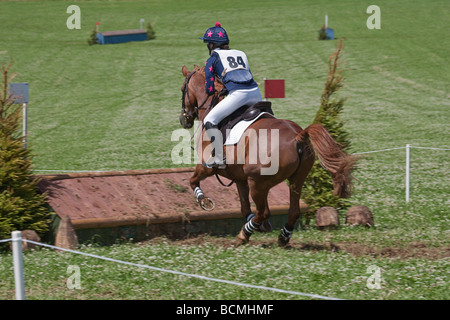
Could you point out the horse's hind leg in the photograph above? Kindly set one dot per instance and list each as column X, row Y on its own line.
column 296, row 182
column 293, row 215
column 244, row 192
column 259, row 196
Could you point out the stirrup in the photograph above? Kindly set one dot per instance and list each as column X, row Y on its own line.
column 212, row 163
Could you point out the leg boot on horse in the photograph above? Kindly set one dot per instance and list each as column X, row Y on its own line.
column 292, row 163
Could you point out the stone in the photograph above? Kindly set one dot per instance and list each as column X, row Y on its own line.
column 359, row 215
column 327, row 218
column 29, row 235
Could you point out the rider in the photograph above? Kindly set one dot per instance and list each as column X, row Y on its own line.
column 231, row 67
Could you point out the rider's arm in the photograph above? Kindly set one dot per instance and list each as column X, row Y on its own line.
column 210, row 75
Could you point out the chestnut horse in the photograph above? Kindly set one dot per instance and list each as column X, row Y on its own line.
column 296, row 149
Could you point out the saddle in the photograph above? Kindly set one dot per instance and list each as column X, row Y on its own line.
column 245, row 113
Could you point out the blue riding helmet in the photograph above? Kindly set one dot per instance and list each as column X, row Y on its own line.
column 215, row 34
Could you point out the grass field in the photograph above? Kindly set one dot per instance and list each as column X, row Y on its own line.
column 306, row 269
column 114, row 107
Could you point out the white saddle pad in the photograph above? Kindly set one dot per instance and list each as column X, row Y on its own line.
column 237, row 131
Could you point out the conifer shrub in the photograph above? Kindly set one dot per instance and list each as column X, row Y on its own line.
column 93, row 37
column 318, row 189
column 22, row 206
column 323, row 33
column 151, row 34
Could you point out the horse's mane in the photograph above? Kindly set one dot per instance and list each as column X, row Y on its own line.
column 199, row 69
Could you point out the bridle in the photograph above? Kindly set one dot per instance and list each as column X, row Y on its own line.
column 194, row 115
column 185, row 91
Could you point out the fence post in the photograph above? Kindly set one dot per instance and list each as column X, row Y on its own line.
column 18, row 264
column 25, row 125
column 408, row 147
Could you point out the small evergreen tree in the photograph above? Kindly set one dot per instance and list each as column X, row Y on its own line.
column 93, row 38
column 21, row 205
column 151, row 34
column 318, row 189
column 323, row 33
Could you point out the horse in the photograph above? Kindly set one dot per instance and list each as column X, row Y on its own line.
column 296, row 147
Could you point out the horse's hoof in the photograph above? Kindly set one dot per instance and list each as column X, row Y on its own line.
column 207, row 204
column 266, row 226
column 282, row 241
column 243, row 238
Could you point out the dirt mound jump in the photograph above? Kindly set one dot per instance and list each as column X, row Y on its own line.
column 118, row 199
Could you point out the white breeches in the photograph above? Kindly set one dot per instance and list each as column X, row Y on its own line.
column 231, row 103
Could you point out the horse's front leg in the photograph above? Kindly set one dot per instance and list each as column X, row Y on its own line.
column 244, row 191
column 201, row 173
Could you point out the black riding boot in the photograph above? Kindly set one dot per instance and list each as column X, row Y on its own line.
column 216, row 160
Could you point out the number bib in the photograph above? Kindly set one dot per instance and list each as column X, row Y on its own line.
column 235, row 66
column 232, row 60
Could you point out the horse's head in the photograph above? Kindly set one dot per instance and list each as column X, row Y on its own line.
column 189, row 106
column 194, row 96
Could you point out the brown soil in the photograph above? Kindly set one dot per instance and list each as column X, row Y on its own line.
column 164, row 196
column 105, row 199
column 413, row 250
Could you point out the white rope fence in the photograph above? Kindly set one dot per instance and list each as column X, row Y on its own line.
column 408, row 148
column 16, row 238
column 375, row 151
column 407, row 165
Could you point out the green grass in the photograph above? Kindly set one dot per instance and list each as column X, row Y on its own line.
column 114, row 107
column 339, row 275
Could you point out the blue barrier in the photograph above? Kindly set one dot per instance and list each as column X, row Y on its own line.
column 329, row 34
column 111, row 37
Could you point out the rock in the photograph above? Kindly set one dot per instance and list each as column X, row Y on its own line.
column 29, row 235
column 327, row 218
column 359, row 216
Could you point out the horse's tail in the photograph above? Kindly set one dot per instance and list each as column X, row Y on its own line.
column 331, row 157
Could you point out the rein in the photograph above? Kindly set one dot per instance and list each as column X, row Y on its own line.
column 223, row 184
column 186, row 93
column 215, row 99
column 195, row 114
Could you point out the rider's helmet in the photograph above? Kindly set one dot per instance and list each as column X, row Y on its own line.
column 216, row 35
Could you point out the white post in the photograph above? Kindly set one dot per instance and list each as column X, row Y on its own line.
column 326, row 21
column 408, row 147
column 18, row 264
column 25, row 125
column 265, row 99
